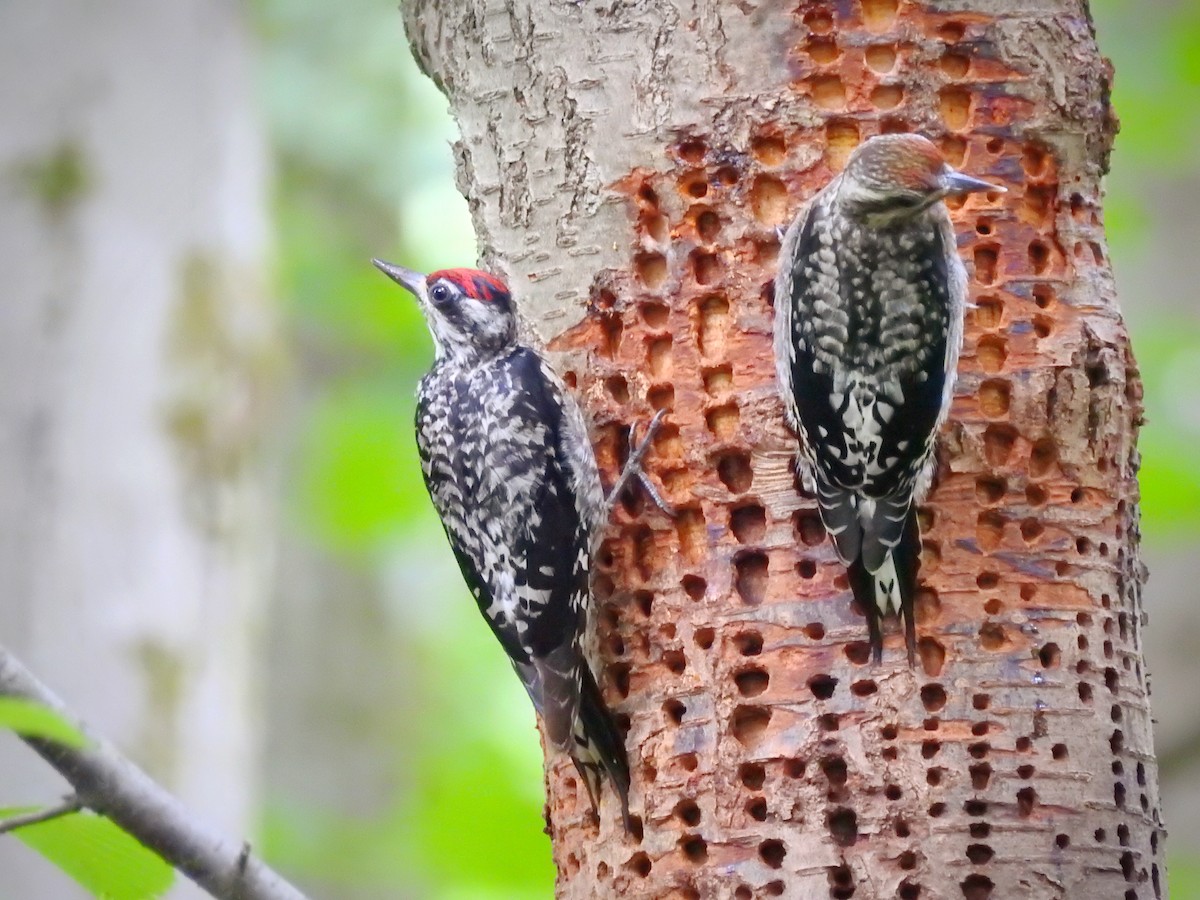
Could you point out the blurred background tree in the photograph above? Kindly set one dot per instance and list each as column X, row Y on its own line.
column 399, row 754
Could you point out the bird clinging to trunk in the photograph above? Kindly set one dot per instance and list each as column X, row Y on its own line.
column 507, row 461
column 869, row 303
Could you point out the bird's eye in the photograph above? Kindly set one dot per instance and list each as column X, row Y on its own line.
column 439, row 293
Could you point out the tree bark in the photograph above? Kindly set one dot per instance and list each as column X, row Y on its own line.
column 138, row 353
column 627, row 165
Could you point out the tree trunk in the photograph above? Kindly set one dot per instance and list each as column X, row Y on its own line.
column 137, row 353
column 627, row 165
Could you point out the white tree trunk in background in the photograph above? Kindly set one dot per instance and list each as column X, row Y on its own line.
column 137, row 353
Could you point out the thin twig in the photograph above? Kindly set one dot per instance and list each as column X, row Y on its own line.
column 70, row 805
column 106, row 782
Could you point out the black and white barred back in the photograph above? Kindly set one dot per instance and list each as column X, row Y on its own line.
column 509, row 467
column 869, row 305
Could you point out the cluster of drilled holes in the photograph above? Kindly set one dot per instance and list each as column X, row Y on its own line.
column 752, row 775
column 675, row 661
column 932, row 654
column 1035, row 499
column 955, row 107
column 748, row 643
column 748, row 723
column 722, row 421
column 661, row 396
column 756, row 809
column 841, row 137
column 836, row 774
column 752, row 681
column 981, row 775
column 933, row 697
column 748, row 524
column 712, row 324
column 990, row 490
column 769, row 149
column 694, row 848
column 674, row 710
column 880, row 58
column 994, row 398
column 734, row 471
column 639, row 864
column 691, row 532
column 864, row 688
column 694, row 586
column 998, row 442
column 706, row 267
column 989, row 530
column 611, row 328
column 843, row 826
column 841, row 882
column 769, row 200
column 822, row 686
column 651, row 269
column 772, row 852
column 718, row 380
column 808, row 528
column 750, row 577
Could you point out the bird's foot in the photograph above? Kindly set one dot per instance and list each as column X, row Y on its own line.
column 633, row 467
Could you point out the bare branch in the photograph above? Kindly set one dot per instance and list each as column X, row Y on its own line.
column 106, row 782
column 70, row 805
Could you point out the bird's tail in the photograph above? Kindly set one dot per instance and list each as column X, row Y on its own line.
column 883, row 577
column 598, row 747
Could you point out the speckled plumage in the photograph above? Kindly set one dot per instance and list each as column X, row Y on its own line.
column 869, row 305
column 507, row 461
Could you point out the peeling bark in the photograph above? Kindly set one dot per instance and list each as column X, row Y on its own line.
column 627, row 164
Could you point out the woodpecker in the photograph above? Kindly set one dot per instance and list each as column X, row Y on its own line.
column 869, row 301
column 508, row 465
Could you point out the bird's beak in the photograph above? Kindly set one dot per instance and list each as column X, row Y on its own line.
column 955, row 182
column 412, row 281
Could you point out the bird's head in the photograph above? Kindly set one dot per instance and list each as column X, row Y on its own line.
column 894, row 176
column 469, row 313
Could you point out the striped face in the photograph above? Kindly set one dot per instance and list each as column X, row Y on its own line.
column 478, row 285
column 898, row 162
column 893, row 176
column 469, row 313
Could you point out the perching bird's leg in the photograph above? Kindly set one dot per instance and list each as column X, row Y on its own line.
column 633, row 468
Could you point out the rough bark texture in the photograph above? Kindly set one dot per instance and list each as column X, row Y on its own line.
column 627, row 164
column 137, row 354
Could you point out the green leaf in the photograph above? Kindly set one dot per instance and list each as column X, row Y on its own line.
column 30, row 719
column 109, row 863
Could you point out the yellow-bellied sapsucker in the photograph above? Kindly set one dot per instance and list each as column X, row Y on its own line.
column 508, row 465
column 869, row 302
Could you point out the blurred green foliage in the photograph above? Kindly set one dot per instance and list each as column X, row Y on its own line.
column 365, row 169
column 1156, row 57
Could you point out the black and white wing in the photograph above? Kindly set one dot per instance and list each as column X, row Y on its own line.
column 504, row 493
column 866, row 340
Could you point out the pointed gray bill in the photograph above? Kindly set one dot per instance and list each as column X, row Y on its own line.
column 406, row 278
column 959, row 183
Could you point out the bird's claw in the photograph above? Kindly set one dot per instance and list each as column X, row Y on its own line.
column 633, row 466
